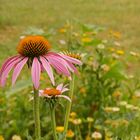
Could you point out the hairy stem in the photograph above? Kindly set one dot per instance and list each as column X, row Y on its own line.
column 36, row 115
column 68, row 106
column 52, row 110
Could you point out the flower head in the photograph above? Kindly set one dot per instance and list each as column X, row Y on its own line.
column 60, row 129
column 96, row 135
column 35, row 51
column 55, row 92
column 70, row 134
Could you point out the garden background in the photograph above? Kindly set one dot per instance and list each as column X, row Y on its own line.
column 107, row 89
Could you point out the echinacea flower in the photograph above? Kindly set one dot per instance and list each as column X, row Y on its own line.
column 35, row 52
column 55, row 92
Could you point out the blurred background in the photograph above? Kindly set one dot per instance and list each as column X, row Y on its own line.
column 106, row 34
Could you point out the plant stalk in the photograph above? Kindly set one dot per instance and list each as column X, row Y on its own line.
column 36, row 114
column 52, row 110
column 68, row 106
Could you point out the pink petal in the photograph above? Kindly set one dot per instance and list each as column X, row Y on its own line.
column 64, row 90
column 7, row 62
column 61, row 59
column 7, row 69
column 48, row 69
column 63, row 96
column 60, row 87
column 70, row 59
column 18, row 69
column 35, row 72
column 58, row 65
column 73, row 67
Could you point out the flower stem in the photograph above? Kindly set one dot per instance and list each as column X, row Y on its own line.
column 36, row 115
column 52, row 110
column 68, row 106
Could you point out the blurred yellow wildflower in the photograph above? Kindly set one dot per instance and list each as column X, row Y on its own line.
column 111, row 109
column 120, row 52
column 90, row 120
column 115, row 34
column 83, row 90
column 123, row 103
column 116, row 94
column 16, row 137
column 62, row 30
column 105, row 67
column 96, row 135
column 70, row 134
column 137, row 95
column 73, row 114
column 111, row 49
column 88, row 137
column 137, row 138
column 86, row 39
column 60, row 129
column 1, row 137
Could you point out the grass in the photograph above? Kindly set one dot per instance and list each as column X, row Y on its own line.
column 121, row 15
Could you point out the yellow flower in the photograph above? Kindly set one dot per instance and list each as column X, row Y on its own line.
column 116, row 94
column 62, row 30
column 16, row 137
column 70, row 134
column 115, row 34
column 86, row 39
column 120, row 52
column 90, row 120
column 137, row 138
column 88, row 137
column 83, row 90
column 60, row 129
column 73, row 114
column 96, row 135
column 1, row 137
column 111, row 109
column 111, row 49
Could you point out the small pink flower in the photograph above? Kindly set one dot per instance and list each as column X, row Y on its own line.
column 55, row 92
column 35, row 51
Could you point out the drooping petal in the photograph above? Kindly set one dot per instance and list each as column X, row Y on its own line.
column 58, row 65
column 60, row 87
column 7, row 62
column 18, row 69
column 73, row 67
column 70, row 59
column 62, row 60
column 35, row 72
column 64, row 90
column 64, row 96
column 7, row 69
column 48, row 69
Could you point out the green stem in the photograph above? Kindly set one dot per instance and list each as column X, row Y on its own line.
column 68, row 106
column 36, row 115
column 52, row 110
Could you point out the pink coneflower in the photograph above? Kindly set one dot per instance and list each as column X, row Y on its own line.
column 35, row 51
column 55, row 92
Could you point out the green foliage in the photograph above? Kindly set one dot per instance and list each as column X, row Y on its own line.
column 101, row 87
